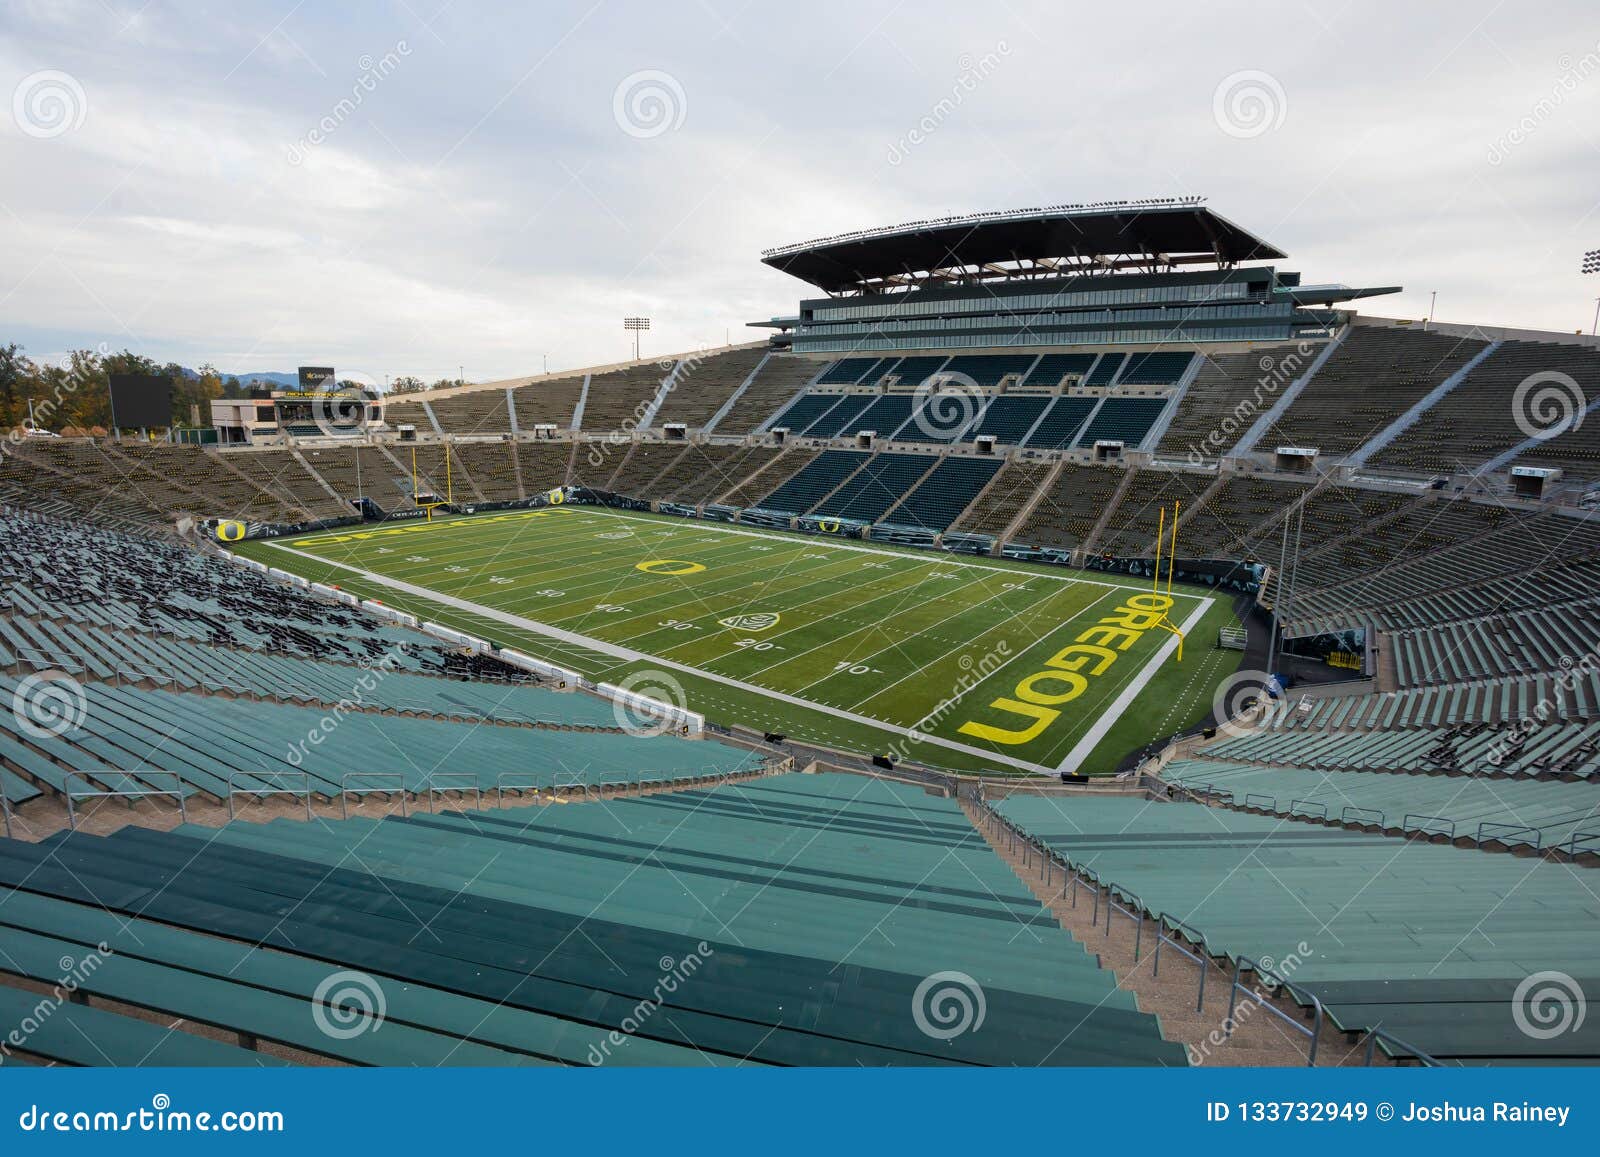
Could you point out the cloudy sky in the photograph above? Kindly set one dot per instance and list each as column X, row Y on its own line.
column 409, row 187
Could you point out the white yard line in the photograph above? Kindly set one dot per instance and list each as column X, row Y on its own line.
column 639, row 656
column 1109, row 717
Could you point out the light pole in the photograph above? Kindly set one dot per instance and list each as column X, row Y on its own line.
column 637, row 325
column 1432, row 301
column 1591, row 264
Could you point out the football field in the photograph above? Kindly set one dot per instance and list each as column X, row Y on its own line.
column 943, row 660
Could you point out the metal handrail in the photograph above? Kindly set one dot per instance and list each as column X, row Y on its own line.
column 501, row 786
column 1374, row 1035
column 1572, row 842
column 1244, row 964
column 472, row 783
column 269, row 777
column 345, row 790
column 141, row 776
column 1344, row 816
column 1197, row 956
column 573, row 779
column 1136, row 916
column 1310, row 803
column 627, row 780
column 1260, row 795
column 1538, row 836
column 1442, row 820
column 37, row 658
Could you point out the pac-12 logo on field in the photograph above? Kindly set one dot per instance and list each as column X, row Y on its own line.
column 760, row 621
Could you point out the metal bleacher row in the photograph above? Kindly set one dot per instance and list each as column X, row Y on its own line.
column 711, row 922
column 188, row 666
column 1515, row 813
column 1427, row 942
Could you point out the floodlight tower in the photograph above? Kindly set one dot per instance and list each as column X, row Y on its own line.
column 1591, row 264
column 637, row 325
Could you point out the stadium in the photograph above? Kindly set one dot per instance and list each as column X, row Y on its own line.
column 1011, row 657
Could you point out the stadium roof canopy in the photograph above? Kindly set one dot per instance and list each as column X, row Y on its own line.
column 1055, row 241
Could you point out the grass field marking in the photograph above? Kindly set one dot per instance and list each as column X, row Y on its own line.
column 1134, row 688
column 895, row 645
column 944, row 704
column 629, row 655
column 947, row 559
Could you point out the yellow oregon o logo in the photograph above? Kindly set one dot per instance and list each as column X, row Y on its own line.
column 230, row 531
column 557, row 497
column 670, row 566
column 829, row 525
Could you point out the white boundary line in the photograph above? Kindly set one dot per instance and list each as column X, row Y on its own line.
column 1109, row 717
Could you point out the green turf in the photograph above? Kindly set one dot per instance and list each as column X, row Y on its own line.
column 880, row 648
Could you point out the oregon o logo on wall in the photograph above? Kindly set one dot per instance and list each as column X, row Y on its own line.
column 829, row 526
column 557, row 496
column 670, row 566
column 230, row 530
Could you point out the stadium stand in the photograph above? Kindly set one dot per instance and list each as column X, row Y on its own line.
column 1125, row 420
column 886, row 877
column 705, row 471
column 1159, row 368
column 1069, row 511
column 832, row 421
column 941, row 497
column 875, row 487
column 704, row 383
column 1375, row 375
column 775, row 472
column 989, row 370
column 620, row 400
column 808, row 408
column 814, row 482
column 1131, row 528
column 1249, row 885
column 1106, row 369
column 1517, row 813
column 778, row 381
column 1059, row 427
column 553, row 401
column 1007, row 419
column 1224, row 397
column 491, row 466
column 632, row 469
column 998, row 507
column 543, row 465
column 1052, row 370
column 477, row 411
column 849, row 371
column 886, row 414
